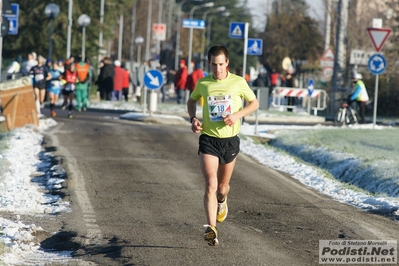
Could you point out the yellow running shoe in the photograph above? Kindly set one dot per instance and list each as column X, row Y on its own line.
column 222, row 211
column 211, row 235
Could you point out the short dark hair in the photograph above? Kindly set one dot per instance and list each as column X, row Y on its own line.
column 218, row 50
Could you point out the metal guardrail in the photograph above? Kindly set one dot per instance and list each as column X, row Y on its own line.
column 317, row 100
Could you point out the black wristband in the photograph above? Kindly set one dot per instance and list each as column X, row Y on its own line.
column 192, row 118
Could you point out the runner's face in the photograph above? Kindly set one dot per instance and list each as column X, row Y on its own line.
column 218, row 66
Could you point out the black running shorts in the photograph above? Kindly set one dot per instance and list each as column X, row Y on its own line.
column 40, row 85
column 226, row 149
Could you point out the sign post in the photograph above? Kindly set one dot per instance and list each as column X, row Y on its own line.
column 153, row 80
column 310, row 91
column 377, row 63
column 255, row 46
column 378, row 37
column 327, row 64
column 159, row 31
column 13, row 20
column 239, row 30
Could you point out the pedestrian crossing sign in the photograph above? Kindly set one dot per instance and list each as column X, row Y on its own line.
column 255, row 46
column 237, row 30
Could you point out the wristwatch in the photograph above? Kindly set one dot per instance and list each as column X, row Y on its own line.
column 192, row 118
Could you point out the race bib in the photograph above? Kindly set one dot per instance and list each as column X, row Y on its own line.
column 70, row 87
column 39, row 77
column 55, row 83
column 219, row 106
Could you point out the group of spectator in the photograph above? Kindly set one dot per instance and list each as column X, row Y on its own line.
column 185, row 82
column 71, row 78
column 113, row 81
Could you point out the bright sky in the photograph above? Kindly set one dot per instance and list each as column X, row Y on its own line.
column 258, row 8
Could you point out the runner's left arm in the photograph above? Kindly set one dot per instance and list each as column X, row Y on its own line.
column 250, row 108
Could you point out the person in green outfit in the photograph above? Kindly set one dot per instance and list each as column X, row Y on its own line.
column 84, row 75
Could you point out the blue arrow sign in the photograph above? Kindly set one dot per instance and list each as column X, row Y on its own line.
column 377, row 64
column 13, row 20
column 237, row 30
column 310, row 86
column 254, row 46
column 193, row 23
column 153, row 79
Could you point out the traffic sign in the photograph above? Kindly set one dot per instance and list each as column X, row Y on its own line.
column 13, row 20
column 327, row 59
column 193, row 23
column 360, row 57
column 327, row 64
column 254, row 46
column 6, row 8
column 153, row 79
column 310, row 86
column 328, row 55
column 327, row 72
column 159, row 31
column 378, row 37
column 377, row 64
column 237, row 30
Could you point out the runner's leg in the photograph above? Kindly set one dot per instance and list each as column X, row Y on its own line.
column 225, row 172
column 209, row 168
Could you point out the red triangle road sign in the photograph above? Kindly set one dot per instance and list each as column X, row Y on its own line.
column 378, row 37
column 328, row 55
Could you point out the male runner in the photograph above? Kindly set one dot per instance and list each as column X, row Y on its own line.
column 219, row 143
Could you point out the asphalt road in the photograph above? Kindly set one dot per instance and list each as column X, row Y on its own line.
column 136, row 194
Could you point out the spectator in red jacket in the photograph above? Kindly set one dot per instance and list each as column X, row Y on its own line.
column 194, row 77
column 118, row 81
column 181, row 81
column 126, row 83
column 274, row 77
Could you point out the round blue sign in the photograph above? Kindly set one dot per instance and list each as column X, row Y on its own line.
column 377, row 64
column 153, row 79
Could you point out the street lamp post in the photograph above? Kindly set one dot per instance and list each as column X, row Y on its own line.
column 139, row 41
column 218, row 9
column 210, row 4
column 69, row 31
column 177, row 52
column 100, row 35
column 51, row 10
column 84, row 21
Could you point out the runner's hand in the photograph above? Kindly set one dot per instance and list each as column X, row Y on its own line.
column 230, row 120
column 196, row 126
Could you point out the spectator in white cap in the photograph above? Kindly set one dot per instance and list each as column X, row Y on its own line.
column 118, row 81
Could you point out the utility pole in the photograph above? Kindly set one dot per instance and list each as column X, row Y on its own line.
column 148, row 39
column 340, row 48
column 328, row 26
column 69, row 31
column 132, row 36
column 120, row 38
